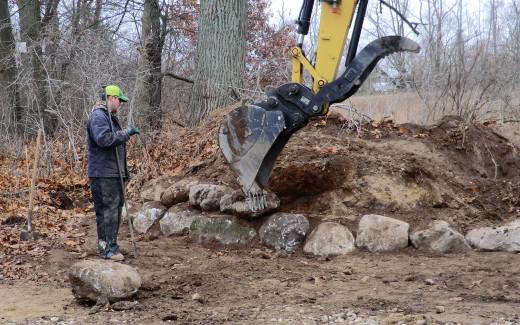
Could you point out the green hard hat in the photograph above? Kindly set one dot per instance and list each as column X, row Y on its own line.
column 113, row 90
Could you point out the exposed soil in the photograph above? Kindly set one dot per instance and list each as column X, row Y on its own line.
column 468, row 175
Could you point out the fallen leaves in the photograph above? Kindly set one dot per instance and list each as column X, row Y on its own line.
column 23, row 259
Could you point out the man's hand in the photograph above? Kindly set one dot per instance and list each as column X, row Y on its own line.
column 131, row 130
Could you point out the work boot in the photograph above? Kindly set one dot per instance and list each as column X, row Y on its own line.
column 115, row 256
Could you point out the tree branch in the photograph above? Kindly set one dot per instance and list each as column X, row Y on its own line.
column 171, row 75
column 413, row 26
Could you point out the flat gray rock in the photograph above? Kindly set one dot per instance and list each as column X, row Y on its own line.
column 177, row 220
column 220, row 230
column 153, row 189
column 330, row 239
column 440, row 238
column 284, row 231
column 178, row 192
column 382, row 234
column 97, row 280
column 505, row 238
column 148, row 215
column 207, row 196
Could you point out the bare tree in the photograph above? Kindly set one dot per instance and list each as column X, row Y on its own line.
column 221, row 53
column 34, row 92
column 434, row 15
column 506, row 63
column 455, row 74
column 8, row 71
column 391, row 22
column 149, row 82
column 51, row 36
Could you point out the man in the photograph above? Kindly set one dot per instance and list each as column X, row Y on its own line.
column 105, row 136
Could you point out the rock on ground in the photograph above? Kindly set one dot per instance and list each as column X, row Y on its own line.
column 177, row 220
column 439, row 238
column 99, row 280
column 148, row 215
column 285, row 231
column 505, row 238
column 220, row 230
column 329, row 239
column 152, row 190
column 382, row 234
column 178, row 192
column 207, row 196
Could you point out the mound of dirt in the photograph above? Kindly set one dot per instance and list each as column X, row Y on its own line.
column 468, row 175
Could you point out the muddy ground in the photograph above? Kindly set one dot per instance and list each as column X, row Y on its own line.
column 468, row 175
column 252, row 287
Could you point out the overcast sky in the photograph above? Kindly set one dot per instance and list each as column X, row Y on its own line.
column 291, row 8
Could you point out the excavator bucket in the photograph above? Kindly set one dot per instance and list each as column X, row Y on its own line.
column 250, row 140
column 252, row 136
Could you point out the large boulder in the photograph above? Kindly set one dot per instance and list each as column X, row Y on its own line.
column 505, row 238
column 329, row 239
column 177, row 220
column 207, row 196
column 149, row 214
column 178, row 192
column 382, row 234
column 236, row 204
column 153, row 189
column 101, row 280
column 439, row 238
column 284, row 231
column 220, row 230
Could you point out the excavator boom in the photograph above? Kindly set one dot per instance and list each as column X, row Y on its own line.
column 252, row 136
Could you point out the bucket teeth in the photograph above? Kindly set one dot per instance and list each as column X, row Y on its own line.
column 256, row 201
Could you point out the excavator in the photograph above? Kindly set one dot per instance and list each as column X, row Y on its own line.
column 252, row 136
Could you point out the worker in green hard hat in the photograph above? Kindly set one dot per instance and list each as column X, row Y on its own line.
column 106, row 146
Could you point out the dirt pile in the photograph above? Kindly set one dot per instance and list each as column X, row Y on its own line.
column 337, row 170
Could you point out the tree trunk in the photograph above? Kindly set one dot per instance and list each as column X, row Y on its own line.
column 221, row 53
column 78, row 7
column 35, row 88
column 149, row 80
column 8, row 91
column 97, row 14
column 51, row 35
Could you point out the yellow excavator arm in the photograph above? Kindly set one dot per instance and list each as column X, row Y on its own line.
column 252, row 136
column 335, row 21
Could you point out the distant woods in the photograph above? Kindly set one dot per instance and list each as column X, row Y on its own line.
column 177, row 64
column 55, row 56
column 469, row 59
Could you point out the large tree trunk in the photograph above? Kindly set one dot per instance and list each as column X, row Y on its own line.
column 35, row 88
column 149, row 81
column 9, row 98
column 221, row 52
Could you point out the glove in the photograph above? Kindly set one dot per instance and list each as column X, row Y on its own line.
column 131, row 130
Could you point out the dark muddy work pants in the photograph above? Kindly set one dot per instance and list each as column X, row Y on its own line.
column 108, row 204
